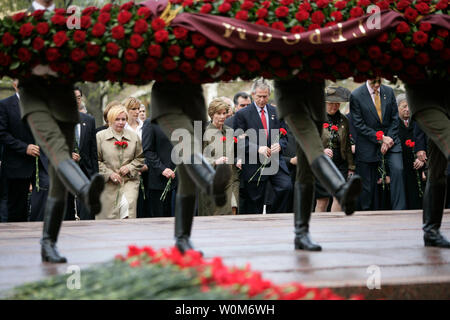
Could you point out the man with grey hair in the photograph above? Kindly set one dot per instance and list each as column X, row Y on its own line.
column 261, row 116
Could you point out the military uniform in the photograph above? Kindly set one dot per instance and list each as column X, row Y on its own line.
column 429, row 102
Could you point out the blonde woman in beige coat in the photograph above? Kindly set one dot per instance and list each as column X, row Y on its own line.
column 120, row 158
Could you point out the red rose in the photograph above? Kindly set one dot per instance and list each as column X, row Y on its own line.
column 297, row 29
column 124, row 144
column 60, row 11
column 114, row 65
column 384, row 37
column 92, row 67
column 85, row 22
column 112, row 49
column 363, row 3
column 174, row 50
column 124, row 16
column 38, row 43
column 198, row 40
column 7, row 39
column 408, row 53
column 60, row 38
column 200, row 64
column 337, row 15
column 107, row 8
column 18, row 16
column 180, row 33
column 79, row 36
column 247, row 5
column 261, row 13
column 313, row 26
column 144, row 11
column 423, row 8
column 185, row 67
column 374, row 52
column 266, row 4
column 420, row 38
column 168, row 63
column 38, row 14
column 150, row 64
column 411, row 14
column 224, row 7
column 403, row 27
column 408, row 142
column 158, row 24
column 282, row 12
column 58, row 20
column 5, row 60
column 42, row 28
column 161, row 36
column 77, row 54
column 206, row 8
column 117, row 143
column 425, row 26
column 261, row 22
column 188, row 3
column 189, row 52
column 305, row 6
column 226, row 56
column 412, row 144
column 278, row 25
column 98, row 30
column 356, row 12
column 118, row 32
column 253, row 65
column 441, row 5
column 132, row 69
column 437, row 44
column 26, row 30
column 242, row 15
column 154, row 50
column 302, row 15
column 89, row 10
column 403, row 4
column 383, row 5
column 423, row 58
column 325, row 125
column 212, row 52
column 24, row 54
column 317, row 17
column 442, row 33
column 104, row 17
column 397, row 44
column 242, row 57
column 52, row 54
column 334, row 128
column 131, row 55
column 136, row 40
column 340, row 5
column 379, row 135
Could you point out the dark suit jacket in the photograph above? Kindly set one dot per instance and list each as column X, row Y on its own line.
column 15, row 135
column 366, row 122
column 248, row 118
column 157, row 151
column 229, row 122
column 419, row 137
column 88, row 145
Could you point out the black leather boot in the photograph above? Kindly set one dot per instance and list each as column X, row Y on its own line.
column 53, row 217
column 210, row 181
column 303, row 205
column 330, row 177
column 184, row 216
column 79, row 185
column 433, row 209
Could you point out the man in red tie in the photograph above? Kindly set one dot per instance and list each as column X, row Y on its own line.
column 260, row 119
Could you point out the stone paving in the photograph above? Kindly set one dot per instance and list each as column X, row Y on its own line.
column 390, row 242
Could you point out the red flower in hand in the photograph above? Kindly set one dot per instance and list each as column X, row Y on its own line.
column 235, row 140
column 334, row 128
column 283, row 131
column 326, row 125
column 124, row 144
column 224, row 138
column 379, row 135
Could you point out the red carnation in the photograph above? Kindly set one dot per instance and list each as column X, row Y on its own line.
column 131, row 55
column 337, row 15
column 379, row 135
column 420, row 38
column 42, row 28
column 161, row 36
column 92, row 67
column 403, row 27
column 200, row 64
column 334, row 128
column 104, row 17
column 384, row 37
column 224, row 7
column 136, row 40
column 107, row 8
column 79, row 36
column 226, row 56
column 140, row 26
column 98, row 30
column 318, row 17
column 242, row 57
column 423, row 8
column 198, row 40
column 356, row 12
column 261, row 22
column 38, row 14
column 397, row 44
column 242, row 15
column 7, row 39
column 253, row 65
column 174, row 50
column 150, row 64
column 18, row 16
column 114, row 65
column 282, row 12
column 423, row 58
column 118, row 32
column 283, row 131
column 38, row 43
column 124, row 16
column 408, row 53
column 168, row 63
column 326, row 125
column 58, row 20
column 247, row 5
column 5, row 60
column 302, row 15
column 396, row 64
column 340, row 5
column 408, row 142
column 363, row 65
column 180, row 33
column 297, row 29
column 403, row 4
column 441, row 5
column 154, row 50
column 206, row 8
column 185, row 67
column 305, row 6
column 353, row 55
column 278, row 25
column 374, row 52
column 425, row 26
column 132, row 69
column 112, row 49
column 234, row 69
column 212, row 52
column 261, row 13
column 52, row 54
column 85, row 22
column 60, row 11
column 442, row 33
column 411, row 14
column 26, row 30
column 342, row 67
column 189, row 52
column 77, row 54
column 437, row 44
column 144, row 11
column 89, row 10
column 158, row 24
column 24, row 54
column 223, row 138
column 60, row 38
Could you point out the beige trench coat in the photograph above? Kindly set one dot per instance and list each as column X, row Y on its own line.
column 110, row 159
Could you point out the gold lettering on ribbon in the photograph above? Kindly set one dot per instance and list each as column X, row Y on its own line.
column 338, row 33
column 361, row 28
column 291, row 42
column 242, row 33
column 314, row 38
column 228, row 29
column 261, row 35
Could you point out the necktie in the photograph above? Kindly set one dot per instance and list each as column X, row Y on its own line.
column 378, row 104
column 263, row 120
column 406, row 123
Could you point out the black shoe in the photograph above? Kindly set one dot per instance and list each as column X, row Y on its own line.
column 49, row 253
column 303, row 242
column 435, row 239
column 184, row 216
column 53, row 217
column 348, row 194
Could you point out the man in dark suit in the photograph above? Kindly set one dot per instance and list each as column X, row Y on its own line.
column 373, row 108
column 157, row 151
column 3, row 189
column 262, row 117
column 19, row 163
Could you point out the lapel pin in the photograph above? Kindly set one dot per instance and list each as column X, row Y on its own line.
column 84, row 123
column 273, row 117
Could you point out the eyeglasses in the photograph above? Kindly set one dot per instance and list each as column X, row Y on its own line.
column 78, row 97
